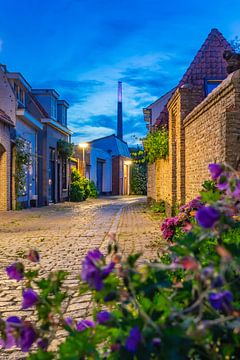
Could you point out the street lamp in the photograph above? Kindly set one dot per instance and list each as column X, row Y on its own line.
column 83, row 146
column 128, row 163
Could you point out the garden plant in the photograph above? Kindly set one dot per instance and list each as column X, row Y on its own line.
column 81, row 188
column 185, row 305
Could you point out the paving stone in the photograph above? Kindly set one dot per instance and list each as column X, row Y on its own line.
column 63, row 234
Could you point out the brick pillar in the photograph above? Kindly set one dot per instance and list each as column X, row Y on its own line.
column 181, row 104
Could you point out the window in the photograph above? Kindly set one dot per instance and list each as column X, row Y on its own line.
column 53, row 108
column 20, row 94
column 211, row 84
column 64, row 174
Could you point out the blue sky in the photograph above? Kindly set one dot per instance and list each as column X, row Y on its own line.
column 83, row 47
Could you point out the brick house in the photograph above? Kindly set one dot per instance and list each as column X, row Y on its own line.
column 6, row 125
column 167, row 179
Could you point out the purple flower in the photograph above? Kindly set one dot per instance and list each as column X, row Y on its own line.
column 223, row 182
column 217, row 282
column 15, row 271
column 33, row 256
column 103, row 317
column 221, row 300
column 42, row 344
column 27, row 337
column 133, row 340
column 107, row 270
column 207, row 216
column 156, row 342
column 30, row 298
column 84, row 324
column 18, row 333
column 194, row 204
column 93, row 271
column 12, row 323
column 215, row 170
column 168, row 227
column 236, row 192
column 68, row 321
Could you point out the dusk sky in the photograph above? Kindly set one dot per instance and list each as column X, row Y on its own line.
column 83, row 47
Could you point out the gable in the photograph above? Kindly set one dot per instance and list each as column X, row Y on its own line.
column 208, row 62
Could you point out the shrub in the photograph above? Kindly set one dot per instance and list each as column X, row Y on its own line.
column 77, row 192
column 158, row 207
column 138, row 180
column 93, row 190
column 80, row 187
column 156, row 145
column 183, row 306
column 75, row 175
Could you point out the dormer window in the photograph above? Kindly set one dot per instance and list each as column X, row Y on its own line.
column 53, row 108
column 62, row 107
column 211, row 84
column 20, row 94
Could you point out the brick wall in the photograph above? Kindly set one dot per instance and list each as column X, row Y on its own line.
column 5, row 164
column 198, row 135
column 212, row 132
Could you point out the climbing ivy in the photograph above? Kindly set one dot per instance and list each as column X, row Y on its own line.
column 139, row 172
column 156, row 145
column 23, row 159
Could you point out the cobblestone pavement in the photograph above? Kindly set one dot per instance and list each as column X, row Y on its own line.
column 63, row 234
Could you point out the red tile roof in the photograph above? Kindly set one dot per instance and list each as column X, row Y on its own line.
column 208, row 63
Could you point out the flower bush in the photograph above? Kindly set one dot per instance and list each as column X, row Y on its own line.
column 184, row 307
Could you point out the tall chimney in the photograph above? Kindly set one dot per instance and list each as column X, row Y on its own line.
column 119, row 112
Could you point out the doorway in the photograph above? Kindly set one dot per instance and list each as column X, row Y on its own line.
column 51, row 176
column 100, row 176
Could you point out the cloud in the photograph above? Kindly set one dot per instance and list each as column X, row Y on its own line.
column 73, row 91
column 149, row 80
column 89, row 132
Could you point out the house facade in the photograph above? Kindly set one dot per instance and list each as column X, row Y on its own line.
column 6, row 125
column 37, row 120
column 120, row 163
column 107, row 163
column 167, row 179
column 28, row 125
column 55, row 169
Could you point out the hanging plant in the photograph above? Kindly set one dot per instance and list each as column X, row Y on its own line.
column 156, row 145
column 65, row 149
column 23, row 160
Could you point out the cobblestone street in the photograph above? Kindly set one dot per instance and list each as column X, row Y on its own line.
column 63, row 234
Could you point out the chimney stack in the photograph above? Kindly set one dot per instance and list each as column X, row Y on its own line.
column 119, row 112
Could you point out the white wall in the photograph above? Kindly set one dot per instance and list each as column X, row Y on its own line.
column 96, row 154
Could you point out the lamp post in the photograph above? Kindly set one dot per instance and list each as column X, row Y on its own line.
column 128, row 163
column 84, row 146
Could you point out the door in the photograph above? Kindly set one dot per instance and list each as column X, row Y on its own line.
column 51, row 176
column 99, row 176
column 58, row 182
